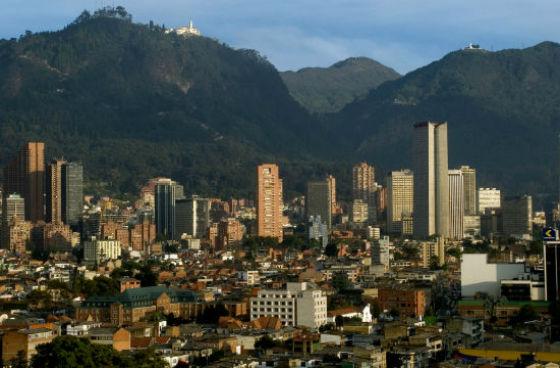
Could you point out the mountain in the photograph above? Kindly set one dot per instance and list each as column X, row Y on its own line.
column 502, row 109
column 329, row 89
column 134, row 101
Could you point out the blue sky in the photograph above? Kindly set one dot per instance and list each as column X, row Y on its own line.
column 403, row 34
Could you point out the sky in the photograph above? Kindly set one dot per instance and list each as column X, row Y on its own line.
column 402, row 34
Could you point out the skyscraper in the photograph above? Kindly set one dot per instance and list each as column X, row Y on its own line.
column 165, row 196
column 72, row 193
column 470, row 192
column 332, row 190
column 192, row 216
column 363, row 187
column 400, row 199
column 456, row 203
column 25, row 175
column 54, row 192
column 551, row 271
column 488, row 198
column 431, row 195
column 318, row 201
column 13, row 208
column 269, row 202
column 517, row 216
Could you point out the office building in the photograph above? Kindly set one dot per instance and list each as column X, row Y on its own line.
column 360, row 212
column 400, row 199
column 480, row 276
column 471, row 226
column 318, row 201
column 331, row 180
column 72, row 193
column 364, row 187
column 470, row 190
column 489, row 198
column 317, row 229
column 165, row 194
column 551, row 272
column 98, row 251
column 431, row 250
column 192, row 217
column 54, row 191
column 299, row 304
column 13, row 211
column 431, row 193
column 25, row 175
column 517, row 216
column 456, row 204
column 381, row 253
column 270, row 203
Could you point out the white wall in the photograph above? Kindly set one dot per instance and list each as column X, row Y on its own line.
column 477, row 275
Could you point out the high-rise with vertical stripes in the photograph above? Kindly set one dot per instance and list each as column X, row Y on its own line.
column 431, row 193
column 270, row 203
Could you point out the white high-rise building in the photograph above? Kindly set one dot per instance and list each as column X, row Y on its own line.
column 489, row 198
column 456, row 204
column 400, row 199
column 431, row 194
column 299, row 304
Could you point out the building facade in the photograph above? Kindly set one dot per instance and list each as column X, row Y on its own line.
column 72, row 193
column 470, row 190
column 54, row 191
column 192, row 217
column 318, row 201
column 456, row 204
column 25, row 175
column 97, row 251
column 364, row 187
column 270, row 202
column 517, row 216
column 400, row 199
column 299, row 304
column 489, row 198
column 431, row 193
column 165, row 194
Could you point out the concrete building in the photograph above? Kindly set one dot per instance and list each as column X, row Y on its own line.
column 19, row 235
column 25, row 175
column 192, row 217
column 431, row 249
column 471, row 226
column 54, row 191
column 166, row 194
column 552, row 272
column 517, row 216
column 364, row 188
column 431, row 193
column 97, row 251
column 470, row 190
column 408, row 301
column 489, row 198
column 13, row 210
column 381, row 255
column 331, row 180
column 26, row 341
column 318, row 230
column 478, row 275
column 318, row 201
column 360, row 212
column 299, row 304
column 456, row 204
column 270, row 203
column 400, row 199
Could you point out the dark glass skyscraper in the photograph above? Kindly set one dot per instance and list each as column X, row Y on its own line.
column 165, row 197
column 72, row 192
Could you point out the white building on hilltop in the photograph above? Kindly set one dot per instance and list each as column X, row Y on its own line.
column 186, row 31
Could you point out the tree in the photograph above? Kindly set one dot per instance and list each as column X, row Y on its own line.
column 526, row 313
column 265, row 343
column 20, row 361
column 339, row 321
column 340, row 281
column 74, row 352
column 331, row 250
